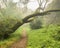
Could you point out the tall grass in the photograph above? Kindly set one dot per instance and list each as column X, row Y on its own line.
column 47, row 37
column 12, row 38
column 6, row 43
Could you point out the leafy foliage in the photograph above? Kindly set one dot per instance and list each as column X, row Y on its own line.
column 6, row 43
column 36, row 23
column 47, row 37
column 8, row 18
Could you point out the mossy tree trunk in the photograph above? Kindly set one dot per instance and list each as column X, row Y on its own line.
column 6, row 28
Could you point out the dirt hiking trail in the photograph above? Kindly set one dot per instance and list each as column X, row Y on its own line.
column 22, row 43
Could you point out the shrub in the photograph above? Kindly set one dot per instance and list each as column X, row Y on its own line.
column 36, row 24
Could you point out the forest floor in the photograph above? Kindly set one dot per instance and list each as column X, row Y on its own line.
column 22, row 43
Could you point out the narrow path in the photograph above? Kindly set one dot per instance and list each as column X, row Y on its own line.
column 22, row 42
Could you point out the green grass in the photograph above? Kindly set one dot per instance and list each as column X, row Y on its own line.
column 12, row 38
column 47, row 37
column 6, row 43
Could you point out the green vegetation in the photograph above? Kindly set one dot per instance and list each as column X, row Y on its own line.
column 12, row 38
column 6, row 43
column 47, row 37
column 9, row 16
column 14, row 14
column 36, row 23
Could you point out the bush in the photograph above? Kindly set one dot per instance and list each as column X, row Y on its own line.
column 36, row 24
column 7, row 22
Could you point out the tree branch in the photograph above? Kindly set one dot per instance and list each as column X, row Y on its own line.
column 39, row 14
column 26, row 19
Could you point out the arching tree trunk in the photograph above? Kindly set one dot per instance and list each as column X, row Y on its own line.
column 26, row 19
column 12, row 25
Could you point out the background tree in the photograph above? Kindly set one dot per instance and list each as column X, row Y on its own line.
column 8, row 18
column 54, row 17
column 25, row 2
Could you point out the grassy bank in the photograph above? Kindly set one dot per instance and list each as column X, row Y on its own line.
column 6, row 43
column 47, row 37
column 12, row 38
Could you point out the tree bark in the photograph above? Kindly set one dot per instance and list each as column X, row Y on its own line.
column 26, row 19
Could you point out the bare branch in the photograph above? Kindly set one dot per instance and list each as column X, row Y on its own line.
column 45, row 5
column 39, row 14
column 26, row 19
